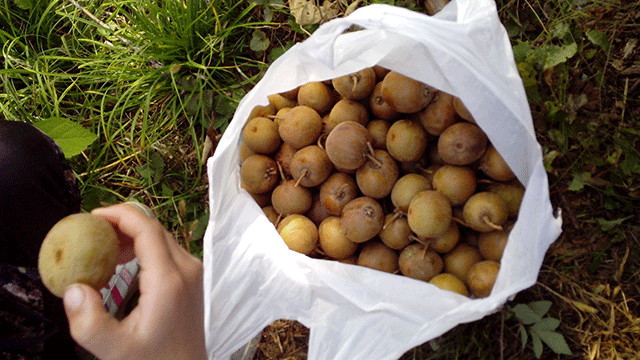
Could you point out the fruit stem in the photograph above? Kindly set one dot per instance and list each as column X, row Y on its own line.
column 355, row 79
column 487, row 220
column 321, row 139
column 424, row 242
column 304, row 173
column 371, row 155
column 396, row 214
column 284, row 178
column 460, row 221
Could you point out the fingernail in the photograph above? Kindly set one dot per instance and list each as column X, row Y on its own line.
column 73, row 297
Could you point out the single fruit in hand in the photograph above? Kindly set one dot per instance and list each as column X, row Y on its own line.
column 80, row 248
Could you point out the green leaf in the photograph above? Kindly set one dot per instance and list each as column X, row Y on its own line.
column 598, row 38
column 525, row 314
column 556, row 55
column 606, row 225
column 94, row 197
column 153, row 169
column 555, row 341
column 523, row 335
column 72, row 138
column 546, row 324
column 560, row 31
column 24, row 4
column 259, row 41
column 198, row 232
column 537, row 344
column 540, row 307
column 548, row 159
column 579, row 180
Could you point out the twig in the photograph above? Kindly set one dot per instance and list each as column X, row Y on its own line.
column 99, row 22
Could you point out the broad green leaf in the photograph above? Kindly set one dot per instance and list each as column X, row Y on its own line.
column 540, row 307
column 72, row 138
column 259, row 41
column 525, row 314
column 555, row 341
column 537, row 345
column 579, row 180
column 556, row 55
column 546, row 324
column 561, row 30
column 523, row 335
column 598, row 38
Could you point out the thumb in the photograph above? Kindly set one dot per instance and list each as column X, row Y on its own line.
column 91, row 326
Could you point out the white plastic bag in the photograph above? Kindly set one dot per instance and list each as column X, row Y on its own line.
column 253, row 279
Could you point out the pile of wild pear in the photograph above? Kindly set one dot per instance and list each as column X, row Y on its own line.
column 380, row 170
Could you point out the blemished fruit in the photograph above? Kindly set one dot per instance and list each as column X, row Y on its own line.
column 362, row 219
column 79, row 248
column 261, row 135
column 406, row 140
column 337, row 191
column 417, row 263
column 301, row 126
column 462, row 143
column 377, row 169
column 481, row 277
column 259, row 174
column 347, row 145
column 355, row 86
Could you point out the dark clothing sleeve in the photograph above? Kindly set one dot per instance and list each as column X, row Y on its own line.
column 37, row 188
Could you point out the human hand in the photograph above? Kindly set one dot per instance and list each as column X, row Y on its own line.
column 168, row 322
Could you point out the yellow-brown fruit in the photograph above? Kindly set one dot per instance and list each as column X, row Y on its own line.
column 80, row 248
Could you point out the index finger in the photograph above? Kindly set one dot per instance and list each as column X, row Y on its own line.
column 149, row 237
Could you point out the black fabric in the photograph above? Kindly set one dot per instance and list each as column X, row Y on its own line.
column 37, row 188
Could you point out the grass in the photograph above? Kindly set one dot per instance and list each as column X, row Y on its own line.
column 149, row 79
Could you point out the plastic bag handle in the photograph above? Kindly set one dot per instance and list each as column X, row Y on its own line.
column 394, row 19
